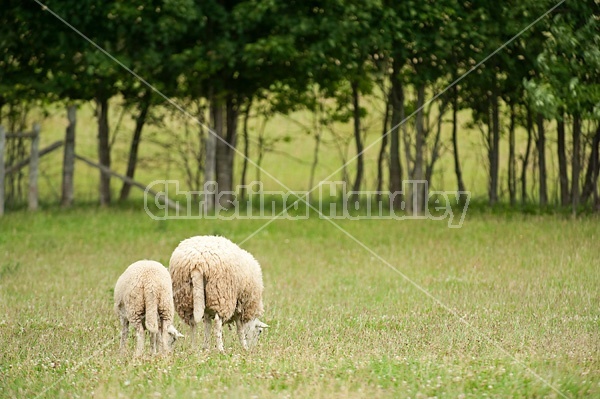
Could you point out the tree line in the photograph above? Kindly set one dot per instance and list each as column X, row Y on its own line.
column 225, row 58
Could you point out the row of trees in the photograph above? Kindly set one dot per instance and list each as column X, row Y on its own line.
column 221, row 58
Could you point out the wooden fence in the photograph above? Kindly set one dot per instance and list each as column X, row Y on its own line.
column 170, row 203
column 32, row 161
column 68, row 165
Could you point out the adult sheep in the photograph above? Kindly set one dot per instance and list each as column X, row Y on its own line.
column 213, row 278
column 144, row 298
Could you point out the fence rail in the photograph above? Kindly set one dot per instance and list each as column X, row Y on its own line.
column 172, row 204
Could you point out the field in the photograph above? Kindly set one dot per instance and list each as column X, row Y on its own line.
column 506, row 306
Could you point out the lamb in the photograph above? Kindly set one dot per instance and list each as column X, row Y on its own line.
column 213, row 278
column 143, row 294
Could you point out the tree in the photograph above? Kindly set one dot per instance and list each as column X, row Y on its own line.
column 25, row 57
column 568, row 82
column 151, row 33
column 238, row 50
column 417, row 46
column 352, row 42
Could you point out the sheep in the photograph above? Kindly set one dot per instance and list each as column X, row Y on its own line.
column 143, row 295
column 213, row 278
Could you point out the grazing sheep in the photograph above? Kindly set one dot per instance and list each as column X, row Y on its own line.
column 213, row 278
column 143, row 294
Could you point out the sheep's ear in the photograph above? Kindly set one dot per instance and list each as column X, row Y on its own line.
column 260, row 324
column 173, row 331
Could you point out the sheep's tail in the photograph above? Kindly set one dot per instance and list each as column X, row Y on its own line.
column 198, row 295
column 151, row 311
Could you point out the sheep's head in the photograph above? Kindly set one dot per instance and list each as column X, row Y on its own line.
column 173, row 335
column 253, row 329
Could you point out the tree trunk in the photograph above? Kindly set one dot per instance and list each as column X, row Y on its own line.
column 222, row 172
column 494, row 149
column 259, row 157
column 435, row 151
column 512, row 167
column 576, row 163
column 562, row 161
column 382, row 149
column 359, row 145
column 134, row 148
column 210, row 166
column 418, row 197
column 246, row 150
column 457, row 169
column 526, row 158
column 593, row 169
column 541, row 147
column 315, row 162
column 103, row 150
column 69, row 158
column 397, row 101
column 201, row 154
column 316, row 123
column 2, row 168
column 14, row 152
column 34, row 161
column 226, row 151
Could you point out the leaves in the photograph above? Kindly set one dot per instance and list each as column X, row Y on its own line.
column 282, row 49
column 569, row 63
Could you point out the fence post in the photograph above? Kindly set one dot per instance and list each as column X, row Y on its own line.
column 2, row 143
column 69, row 158
column 33, row 168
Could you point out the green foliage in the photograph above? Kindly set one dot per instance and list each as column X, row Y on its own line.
column 423, row 36
column 293, row 55
column 541, row 97
column 569, row 64
column 250, row 48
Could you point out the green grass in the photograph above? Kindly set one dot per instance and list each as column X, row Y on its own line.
column 519, row 294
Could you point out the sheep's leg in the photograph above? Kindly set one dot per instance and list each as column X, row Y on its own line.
column 219, row 333
column 207, row 328
column 153, row 341
column 193, row 326
column 139, row 347
column 198, row 295
column 124, row 333
column 241, row 333
column 164, row 337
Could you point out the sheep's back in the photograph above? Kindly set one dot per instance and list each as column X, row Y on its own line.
column 230, row 274
column 139, row 280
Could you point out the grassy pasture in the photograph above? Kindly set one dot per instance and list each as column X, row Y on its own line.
column 514, row 296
